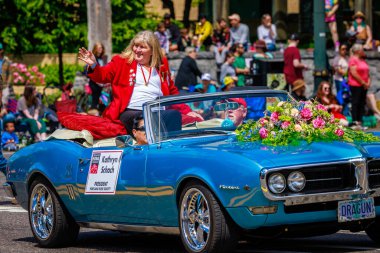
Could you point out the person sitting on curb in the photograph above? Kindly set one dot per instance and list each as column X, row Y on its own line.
column 228, row 83
column 207, row 85
column 9, row 139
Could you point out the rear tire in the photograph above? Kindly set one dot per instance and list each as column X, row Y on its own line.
column 204, row 227
column 373, row 231
column 51, row 225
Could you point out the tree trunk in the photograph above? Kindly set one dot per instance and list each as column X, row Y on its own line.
column 186, row 13
column 60, row 63
column 168, row 4
column 99, row 22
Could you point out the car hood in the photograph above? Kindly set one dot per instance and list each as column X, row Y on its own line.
column 268, row 156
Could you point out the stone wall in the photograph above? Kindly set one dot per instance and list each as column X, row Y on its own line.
column 206, row 63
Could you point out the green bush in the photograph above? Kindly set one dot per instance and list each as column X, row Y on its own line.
column 52, row 74
column 49, row 99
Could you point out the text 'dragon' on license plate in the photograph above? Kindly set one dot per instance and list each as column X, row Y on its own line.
column 356, row 210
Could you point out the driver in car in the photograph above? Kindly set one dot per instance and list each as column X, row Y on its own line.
column 138, row 131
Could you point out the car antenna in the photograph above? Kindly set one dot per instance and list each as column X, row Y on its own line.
column 159, row 122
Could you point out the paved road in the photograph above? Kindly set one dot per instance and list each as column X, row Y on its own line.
column 16, row 236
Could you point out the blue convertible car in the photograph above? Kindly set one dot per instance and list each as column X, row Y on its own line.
column 195, row 179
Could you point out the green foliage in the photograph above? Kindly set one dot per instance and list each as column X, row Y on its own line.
column 128, row 18
column 36, row 26
column 44, row 26
column 124, row 31
column 127, row 10
column 52, row 77
column 49, row 99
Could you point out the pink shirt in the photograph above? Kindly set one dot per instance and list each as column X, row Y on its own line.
column 361, row 67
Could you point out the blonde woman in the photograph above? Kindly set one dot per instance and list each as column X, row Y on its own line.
column 138, row 75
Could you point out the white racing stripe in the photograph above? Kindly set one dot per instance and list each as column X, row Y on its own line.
column 12, row 209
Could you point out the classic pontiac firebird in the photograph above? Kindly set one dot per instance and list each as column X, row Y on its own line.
column 196, row 180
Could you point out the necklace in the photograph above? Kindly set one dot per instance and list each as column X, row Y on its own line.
column 150, row 72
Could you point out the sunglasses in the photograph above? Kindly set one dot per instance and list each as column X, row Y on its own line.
column 343, row 48
column 226, row 106
column 142, row 128
column 326, row 89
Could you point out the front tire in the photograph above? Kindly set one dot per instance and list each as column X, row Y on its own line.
column 203, row 225
column 373, row 231
column 51, row 225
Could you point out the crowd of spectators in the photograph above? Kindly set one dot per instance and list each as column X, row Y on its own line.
column 229, row 40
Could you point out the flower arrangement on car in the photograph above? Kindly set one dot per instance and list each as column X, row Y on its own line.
column 22, row 75
column 290, row 123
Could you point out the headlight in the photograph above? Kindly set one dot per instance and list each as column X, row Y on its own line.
column 277, row 183
column 296, row 181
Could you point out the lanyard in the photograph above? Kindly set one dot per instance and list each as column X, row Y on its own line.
column 150, row 72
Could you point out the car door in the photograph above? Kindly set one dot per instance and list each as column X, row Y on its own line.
column 110, row 195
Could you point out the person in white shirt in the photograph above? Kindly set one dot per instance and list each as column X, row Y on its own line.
column 267, row 32
column 239, row 32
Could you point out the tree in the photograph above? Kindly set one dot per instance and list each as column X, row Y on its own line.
column 168, row 4
column 186, row 13
column 128, row 18
column 46, row 26
column 100, row 24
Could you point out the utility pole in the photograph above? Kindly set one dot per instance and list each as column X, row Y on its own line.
column 320, row 56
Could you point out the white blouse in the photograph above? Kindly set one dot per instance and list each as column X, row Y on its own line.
column 143, row 93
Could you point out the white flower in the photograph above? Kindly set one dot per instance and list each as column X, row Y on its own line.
column 280, row 103
column 294, row 112
column 297, row 127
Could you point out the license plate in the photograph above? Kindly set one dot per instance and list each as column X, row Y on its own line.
column 356, row 210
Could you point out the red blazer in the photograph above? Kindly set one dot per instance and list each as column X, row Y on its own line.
column 121, row 75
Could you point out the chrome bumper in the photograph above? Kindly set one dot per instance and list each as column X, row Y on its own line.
column 9, row 190
column 361, row 187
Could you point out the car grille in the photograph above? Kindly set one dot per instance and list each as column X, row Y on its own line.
column 374, row 174
column 324, row 178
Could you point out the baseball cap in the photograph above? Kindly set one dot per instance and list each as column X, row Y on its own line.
column 234, row 16
column 240, row 101
column 206, row 77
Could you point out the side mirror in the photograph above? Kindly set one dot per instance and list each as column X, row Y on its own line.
column 124, row 141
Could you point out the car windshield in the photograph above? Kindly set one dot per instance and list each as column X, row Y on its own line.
column 208, row 114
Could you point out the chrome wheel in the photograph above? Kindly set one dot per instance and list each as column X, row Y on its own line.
column 41, row 211
column 195, row 219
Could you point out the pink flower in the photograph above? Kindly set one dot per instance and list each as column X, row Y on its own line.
column 321, row 107
column 263, row 121
column 339, row 132
column 27, row 74
column 34, row 68
column 285, row 124
column 263, row 133
column 318, row 122
column 332, row 118
column 16, row 74
column 306, row 113
column 274, row 116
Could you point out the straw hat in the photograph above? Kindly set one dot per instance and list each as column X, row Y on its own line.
column 358, row 14
column 298, row 84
